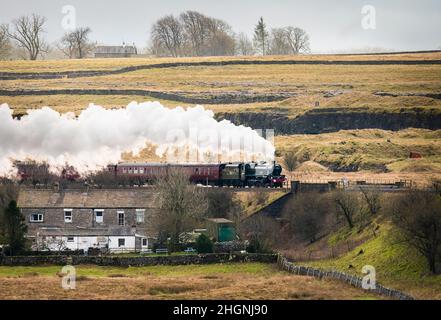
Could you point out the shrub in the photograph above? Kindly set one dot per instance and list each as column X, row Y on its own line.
column 258, row 245
column 204, row 244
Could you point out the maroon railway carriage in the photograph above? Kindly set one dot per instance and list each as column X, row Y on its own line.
column 198, row 173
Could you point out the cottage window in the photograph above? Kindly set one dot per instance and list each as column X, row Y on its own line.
column 121, row 242
column 144, row 242
column 121, row 218
column 70, row 239
column 99, row 215
column 140, row 215
column 68, row 215
column 36, row 217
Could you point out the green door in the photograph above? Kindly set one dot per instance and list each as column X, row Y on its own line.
column 226, row 233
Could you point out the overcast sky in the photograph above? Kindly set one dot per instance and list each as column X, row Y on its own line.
column 400, row 24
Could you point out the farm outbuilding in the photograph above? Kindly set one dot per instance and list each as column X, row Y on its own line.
column 415, row 155
column 123, row 51
column 221, row 229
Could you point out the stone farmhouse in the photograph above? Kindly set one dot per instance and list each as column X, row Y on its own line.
column 123, row 51
column 114, row 220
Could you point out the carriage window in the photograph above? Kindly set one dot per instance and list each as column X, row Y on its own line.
column 70, row 239
column 141, row 170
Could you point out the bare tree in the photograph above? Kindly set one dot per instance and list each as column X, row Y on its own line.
column 167, row 33
column 221, row 38
column 76, row 44
column 297, row 39
column 290, row 160
column 196, row 31
column 307, row 215
column 261, row 36
column 182, row 204
column 35, row 173
column 278, row 40
column 8, row 192
column 417, row 214
column 27, row 32
column 372, row 199
column 222, row 203
column 262, row 232
column 348, row 206
column 244, row 46
column 5, row 44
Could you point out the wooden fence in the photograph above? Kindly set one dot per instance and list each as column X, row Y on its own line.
column 355, row 281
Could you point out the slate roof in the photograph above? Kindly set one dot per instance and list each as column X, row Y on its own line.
column 94, row 198
column 220, row 220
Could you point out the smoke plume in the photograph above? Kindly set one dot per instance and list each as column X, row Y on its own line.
column 99, row 136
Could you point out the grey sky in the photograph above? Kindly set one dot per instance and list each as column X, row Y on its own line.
column 401, row 24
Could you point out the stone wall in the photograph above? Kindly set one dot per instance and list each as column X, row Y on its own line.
column 138, row 260
column 355, row 281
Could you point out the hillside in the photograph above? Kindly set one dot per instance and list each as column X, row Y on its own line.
column 396, row 265
column 316, row 95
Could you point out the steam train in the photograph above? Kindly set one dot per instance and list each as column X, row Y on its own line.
column 252, row 174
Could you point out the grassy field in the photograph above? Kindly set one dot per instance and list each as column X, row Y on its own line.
column 216, row 281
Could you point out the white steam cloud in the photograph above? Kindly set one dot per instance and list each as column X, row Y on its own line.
column 99, row 136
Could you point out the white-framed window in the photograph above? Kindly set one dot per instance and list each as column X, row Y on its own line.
column 140, row 215
column 144, row 242
column 121, row 242
column 36, row 217
column 121, row 217
column 99, row 213
column 70, row 239
column 68, row 215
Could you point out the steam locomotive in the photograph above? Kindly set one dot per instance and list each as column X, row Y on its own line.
column 252, row 174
